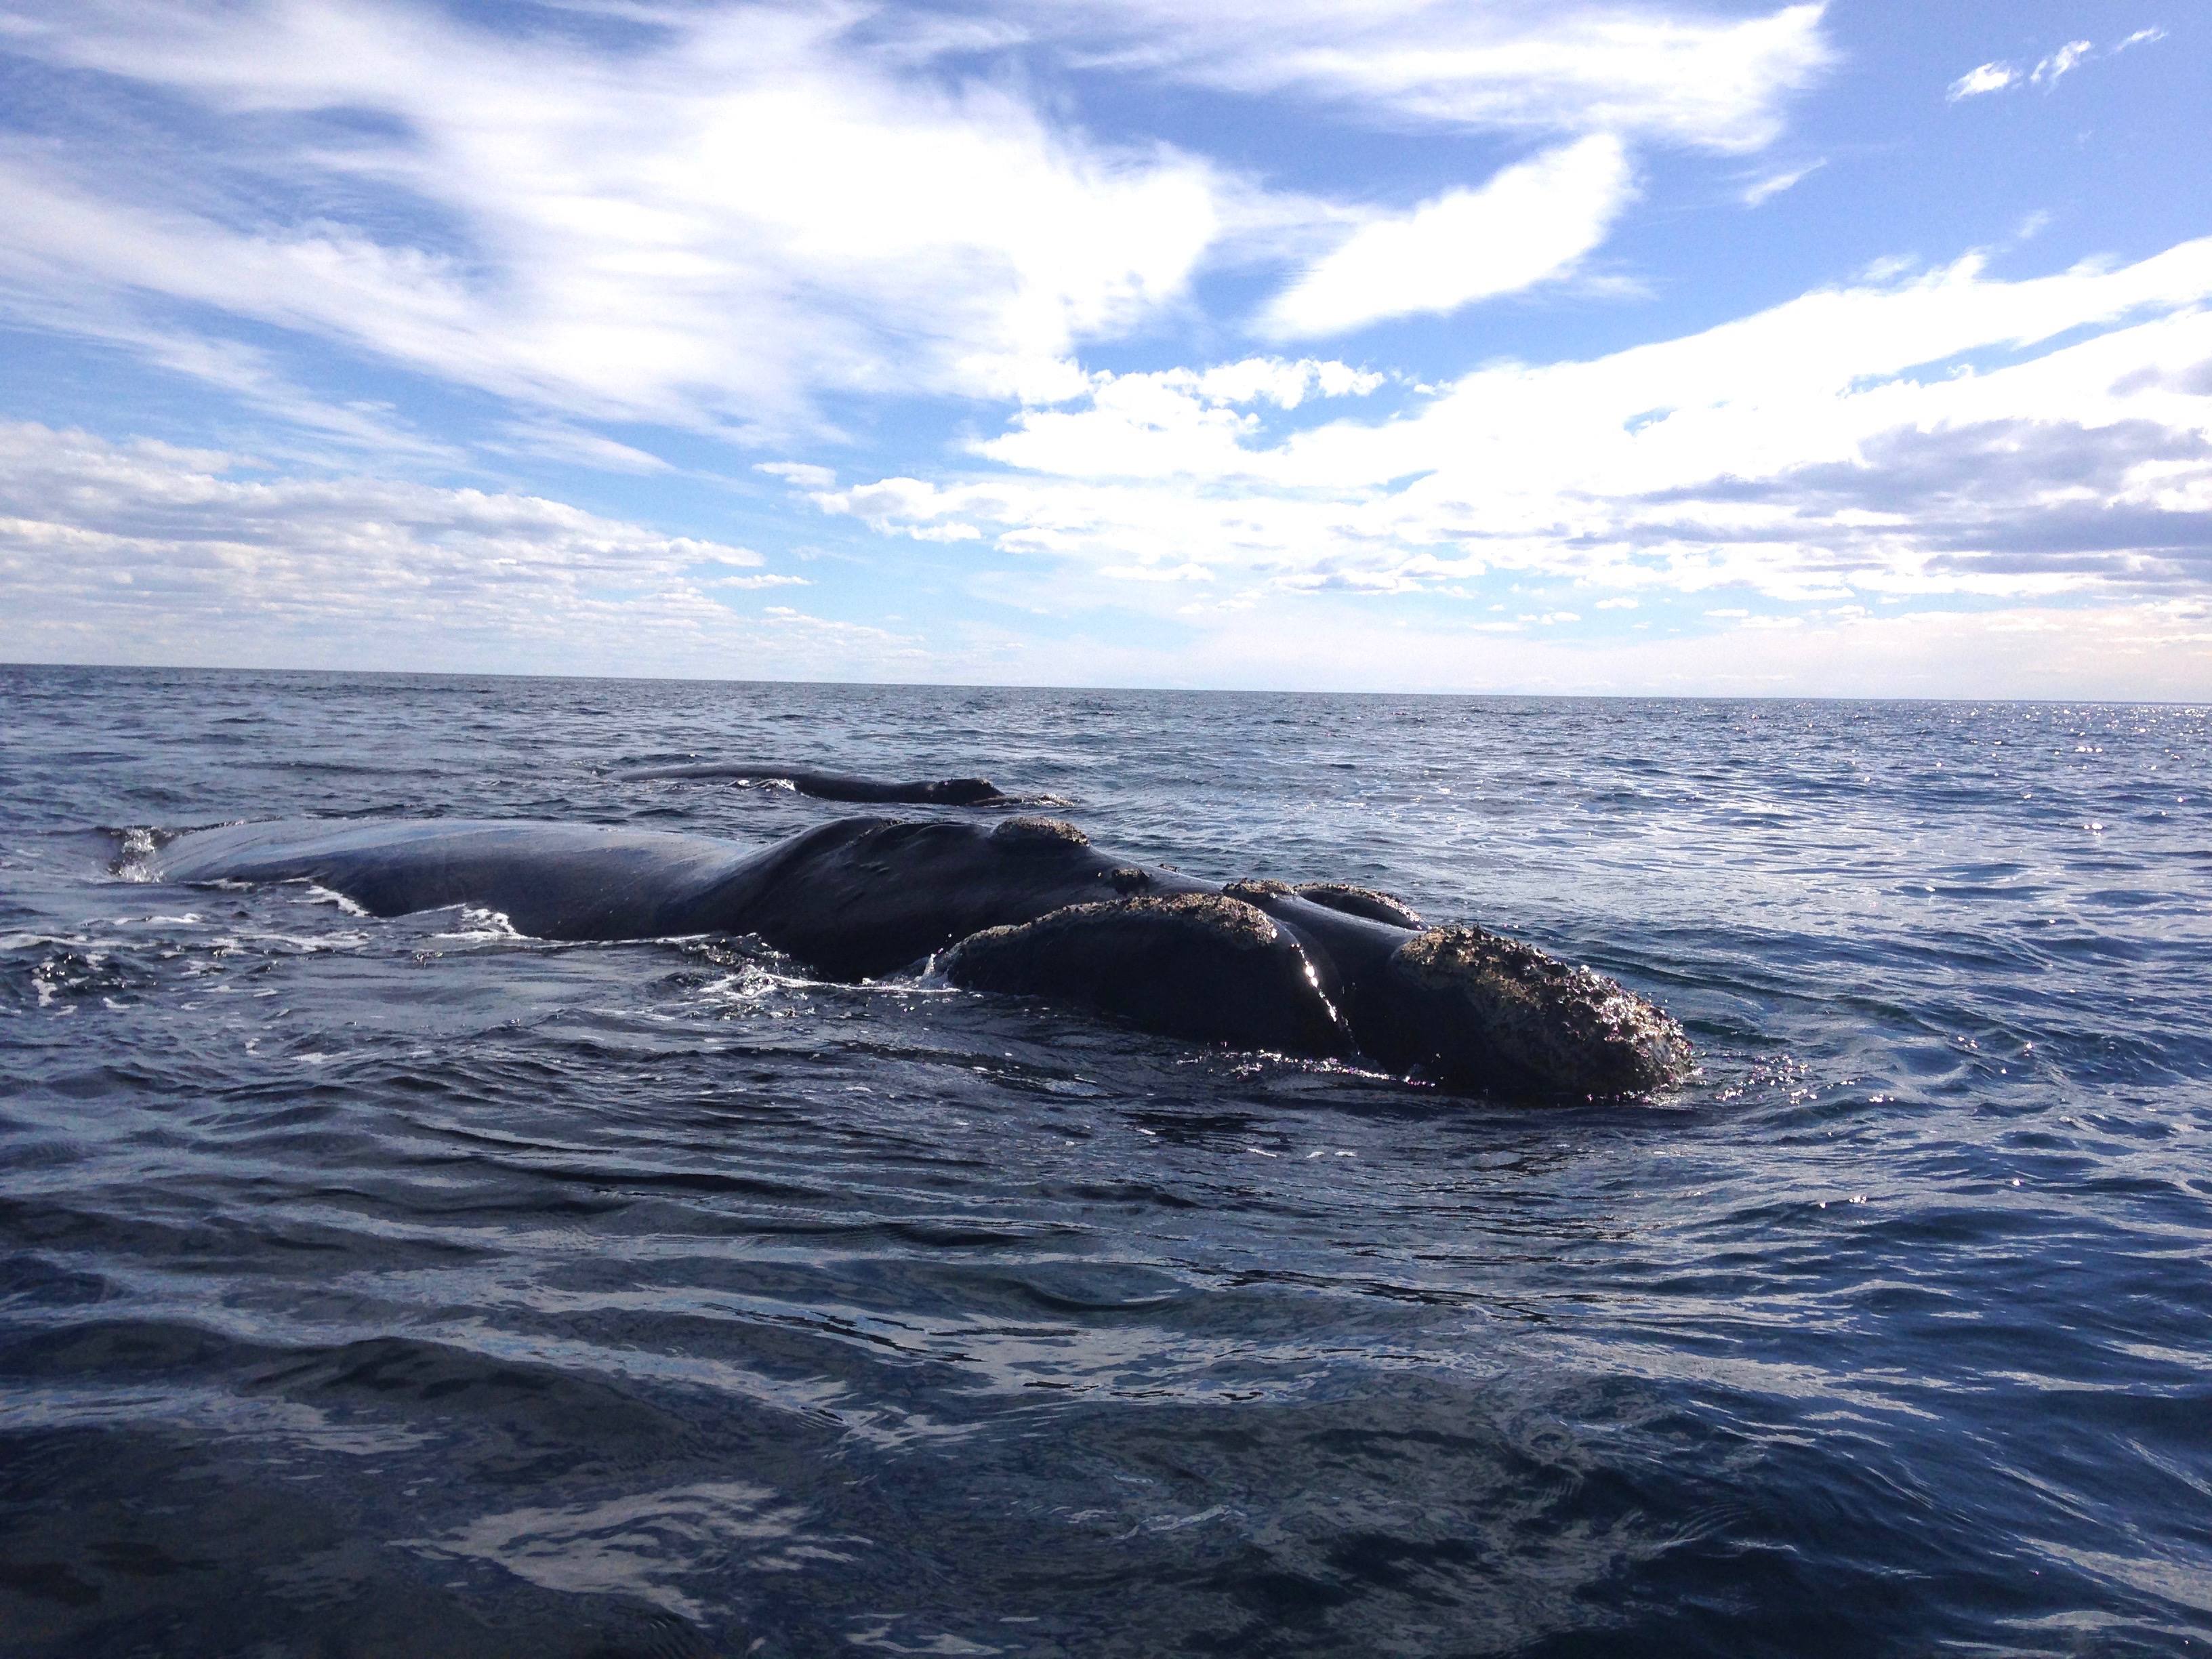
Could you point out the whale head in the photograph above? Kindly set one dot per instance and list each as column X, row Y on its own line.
column 1476, row 1010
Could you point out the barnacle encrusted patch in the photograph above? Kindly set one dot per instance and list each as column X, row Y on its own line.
column 1231, row 921
column 1565, row 1027
column 1037, row 831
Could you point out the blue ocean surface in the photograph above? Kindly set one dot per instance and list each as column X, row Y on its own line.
column 407, row 1287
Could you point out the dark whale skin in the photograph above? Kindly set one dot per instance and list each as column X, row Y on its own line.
column 839, row 785
column 552, row 880
column 863, row 898
column 1142, row 957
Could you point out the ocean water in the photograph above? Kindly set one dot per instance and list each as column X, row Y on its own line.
column 409, row 1288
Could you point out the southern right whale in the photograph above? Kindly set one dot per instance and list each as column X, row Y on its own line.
column 1028, row 907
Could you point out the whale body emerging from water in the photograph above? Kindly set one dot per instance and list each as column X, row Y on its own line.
column 1027, row 907
column 836, row 785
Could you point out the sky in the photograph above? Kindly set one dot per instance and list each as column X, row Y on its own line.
column 1860, row 349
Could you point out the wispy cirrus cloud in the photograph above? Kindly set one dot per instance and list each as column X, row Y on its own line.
column 2059, row 63
column 707, row 217
column 1982, row 79
column 719, row 217
column 2046, row 72
column 1645, row 71
column 1761, row 190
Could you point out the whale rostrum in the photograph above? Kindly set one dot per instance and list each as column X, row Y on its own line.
column 1027, row 907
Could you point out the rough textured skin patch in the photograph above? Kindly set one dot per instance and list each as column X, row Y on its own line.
column 1359, row 901
column 1038, row 832
column 1523, row 1019
column 1253, row 889
column 1126, row 880
column 1229, row 919
column 1196, row 965
column 1232, row 922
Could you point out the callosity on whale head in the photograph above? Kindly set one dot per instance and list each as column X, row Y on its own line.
column 1479, row 1010
column 1344, row 970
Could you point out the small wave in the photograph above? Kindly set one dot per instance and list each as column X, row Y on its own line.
column 638, row 1543
column 322, row 895
column 351, row 940
column 748, row 985
column 133, row 847
column 38, row 941
column 479, row 926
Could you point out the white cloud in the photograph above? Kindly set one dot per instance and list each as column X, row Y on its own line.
column 1152, row 573
column 800, row 473
column 2047, row 73
column 735, row 217
column 1514, row 65
column 1530, row 222
column 717, row 216
column 2148, row 650
column 1282, row 382
column 1989, row 77
column 1174, row 421
column 1914, row 437
column 248, row 373
column 556, row 440
column 771, row 579
column 1773, row 185
column 147, row 552
column 741, row 207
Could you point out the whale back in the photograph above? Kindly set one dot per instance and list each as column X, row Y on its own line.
column 834, row 785
column 568, row 881
column 1197, row 965
column 863, row 898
